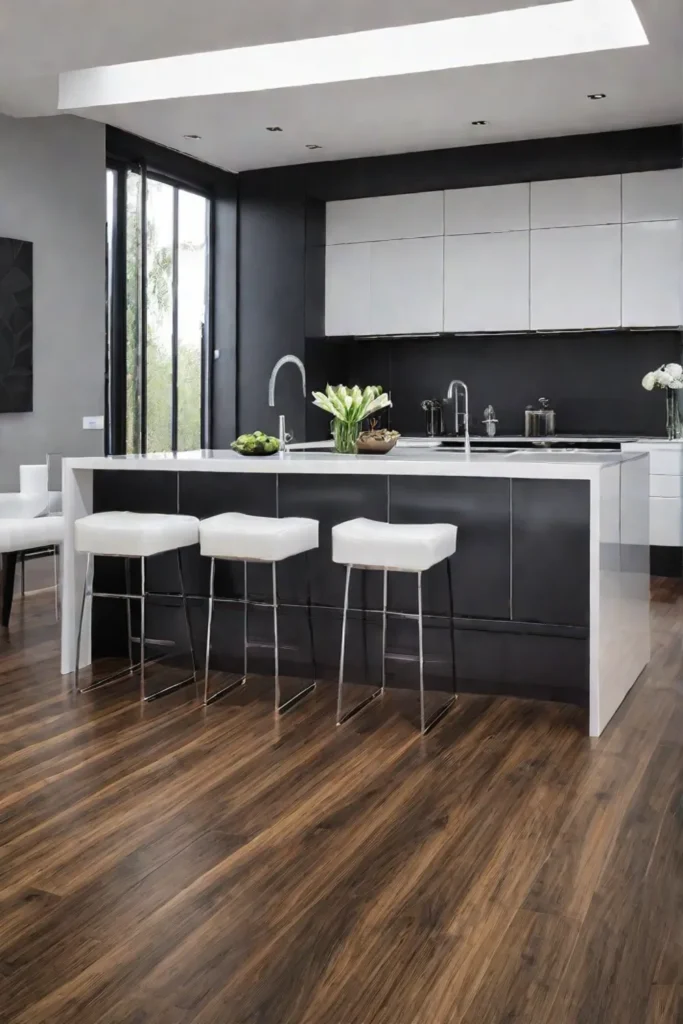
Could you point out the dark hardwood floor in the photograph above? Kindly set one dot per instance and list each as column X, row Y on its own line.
column 170, row 864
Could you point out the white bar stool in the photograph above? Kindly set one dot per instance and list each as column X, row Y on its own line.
column 389, row 547
column 234, row 536
column 134, row 535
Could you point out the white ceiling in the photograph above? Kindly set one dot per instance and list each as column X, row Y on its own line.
column 644, row 85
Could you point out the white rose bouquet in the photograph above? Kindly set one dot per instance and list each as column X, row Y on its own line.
column 349, row 407
column 669, row 377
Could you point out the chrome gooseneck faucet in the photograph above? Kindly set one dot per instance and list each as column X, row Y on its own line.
column 454, row 389
column 271, row 393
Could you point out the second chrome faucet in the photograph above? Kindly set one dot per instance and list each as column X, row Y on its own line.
column 455, row 388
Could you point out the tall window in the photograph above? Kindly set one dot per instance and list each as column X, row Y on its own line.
column 161, row 279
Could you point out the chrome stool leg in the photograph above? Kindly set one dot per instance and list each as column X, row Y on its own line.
column 384, row 629
column 188, row 623
column 212, row 600
column 421, row 652
column 143, row 627
column 276, row 640
column 448, row 704
column 292, row 701
column 129, row 616
column 87, row 592
column 207, row 659
column 344, row 717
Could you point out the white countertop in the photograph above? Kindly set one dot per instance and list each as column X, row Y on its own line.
column 405, row 460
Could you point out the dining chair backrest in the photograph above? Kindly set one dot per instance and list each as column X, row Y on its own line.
column 33, row 479
column 54, row 483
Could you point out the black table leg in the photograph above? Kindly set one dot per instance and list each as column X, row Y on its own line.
column 9, row 568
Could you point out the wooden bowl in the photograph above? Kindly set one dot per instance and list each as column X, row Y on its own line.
column 372, row 446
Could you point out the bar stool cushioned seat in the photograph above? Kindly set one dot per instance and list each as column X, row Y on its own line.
column 234, row 535
column 23, row 534
column 134, row 534
column 365, row 542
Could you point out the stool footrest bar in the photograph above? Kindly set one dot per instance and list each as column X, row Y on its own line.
column 358, row 707
column 169, row 689
column 226, row 689
column 438, row 715
column 120, row 674
column 293, row 701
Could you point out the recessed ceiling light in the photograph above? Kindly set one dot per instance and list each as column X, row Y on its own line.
column 193, row 138
column 479, row 123
column 597, row 95
column 274, row 128
column 529, row 33
column 313, row 145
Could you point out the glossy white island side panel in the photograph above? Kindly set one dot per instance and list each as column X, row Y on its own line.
column 620, row 589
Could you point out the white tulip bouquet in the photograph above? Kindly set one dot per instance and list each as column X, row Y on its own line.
column 669, row 376
column 349, row 407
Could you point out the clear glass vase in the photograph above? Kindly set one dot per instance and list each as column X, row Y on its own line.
column 345, row 437
column 674, row 430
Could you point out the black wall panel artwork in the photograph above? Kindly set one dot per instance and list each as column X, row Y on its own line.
column 16, row 325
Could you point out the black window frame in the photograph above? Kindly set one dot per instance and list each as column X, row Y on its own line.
column 129, row 153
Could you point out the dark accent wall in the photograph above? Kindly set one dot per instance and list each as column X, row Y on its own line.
column 592, row 379
column 281, row 292
column 570, row 156
column 16, row 325
column 272, row 272
column 223, row 370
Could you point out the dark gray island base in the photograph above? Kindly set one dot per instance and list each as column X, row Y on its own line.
column 521, row 579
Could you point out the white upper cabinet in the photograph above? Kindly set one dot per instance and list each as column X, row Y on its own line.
column 406, row 286
column 347, row 289
column 653, row 274
column 486, row 282
column 576, row 278
column 653, row 195
column 574, row 202
column 381, row 218
column 469, row 211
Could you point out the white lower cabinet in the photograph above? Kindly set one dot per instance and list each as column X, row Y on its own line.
column 666, row 522
column 486, row 282
column 666, row 486
column 666, row 490
column 653, row 274
column 576, row 278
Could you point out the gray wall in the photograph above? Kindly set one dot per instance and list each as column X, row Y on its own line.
column 52, row 193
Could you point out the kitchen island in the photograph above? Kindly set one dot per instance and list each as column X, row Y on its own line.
column 551, row 574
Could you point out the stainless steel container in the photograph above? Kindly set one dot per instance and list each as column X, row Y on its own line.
column 539, row 422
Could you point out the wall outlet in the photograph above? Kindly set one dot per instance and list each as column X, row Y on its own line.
column 93, row 422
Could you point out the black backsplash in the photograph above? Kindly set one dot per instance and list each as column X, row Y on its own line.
column 592, row 379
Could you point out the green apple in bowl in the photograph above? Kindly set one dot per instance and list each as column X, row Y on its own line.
column 257, row 443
